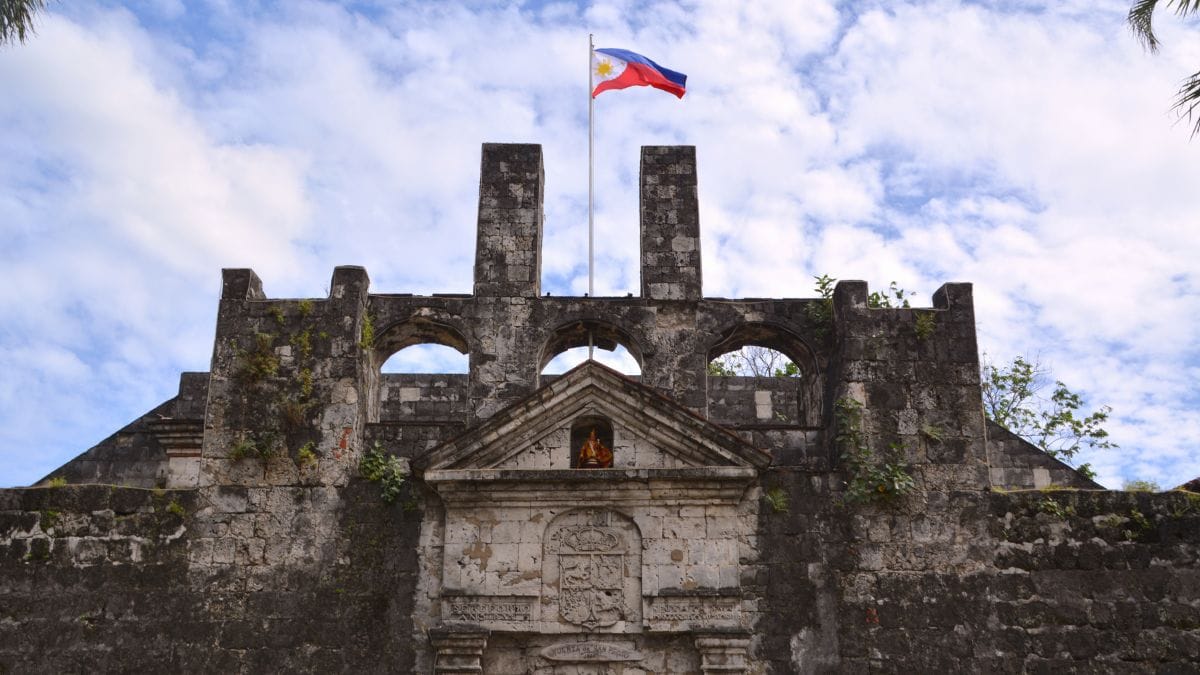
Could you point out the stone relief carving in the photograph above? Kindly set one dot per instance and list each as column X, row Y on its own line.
column 590, row 651
column 483, row 608
column 686, row 613
column 593, row 568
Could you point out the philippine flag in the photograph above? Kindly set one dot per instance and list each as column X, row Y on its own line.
column 620, row 68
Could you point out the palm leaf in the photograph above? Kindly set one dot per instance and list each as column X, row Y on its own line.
column 1187, row 102
column 16, row 18
column 1140, row 19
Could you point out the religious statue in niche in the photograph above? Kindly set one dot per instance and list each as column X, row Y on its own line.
column 594, row 454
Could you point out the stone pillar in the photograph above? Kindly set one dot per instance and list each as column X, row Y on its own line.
column 723, row 654
column 458, row 650
column 670, row 243
column 183, row 441
column 670, row 215
column 508, row 244
column 508, row 269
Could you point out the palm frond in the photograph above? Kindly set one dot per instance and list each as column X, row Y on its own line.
column 1141, row 22
column 16, row 18
column 1187, row 102
column 1185, row 7
column 1141, row 18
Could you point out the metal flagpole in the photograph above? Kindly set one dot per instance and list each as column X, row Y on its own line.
column 591, row 183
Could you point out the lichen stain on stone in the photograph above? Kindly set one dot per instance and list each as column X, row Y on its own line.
column 480, row 552
column 482, row 519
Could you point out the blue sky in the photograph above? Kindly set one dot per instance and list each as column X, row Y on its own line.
column 1026, row 147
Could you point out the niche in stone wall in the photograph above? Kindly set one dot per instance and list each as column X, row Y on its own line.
column 591, row 572
column 592, row 453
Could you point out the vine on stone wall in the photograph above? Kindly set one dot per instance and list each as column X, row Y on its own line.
column 289, row 400
column 871, row 477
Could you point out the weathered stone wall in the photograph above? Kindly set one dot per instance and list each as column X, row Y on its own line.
column 425, row 398
column 281, row 558
column 915, row 375
column 743, row 401
column 980, row 582
column 1015, row 463
column 138, row 454
column 93, row 579
column 106, row 579
column 103, row 579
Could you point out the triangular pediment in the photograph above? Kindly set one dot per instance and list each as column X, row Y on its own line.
column 668, row 435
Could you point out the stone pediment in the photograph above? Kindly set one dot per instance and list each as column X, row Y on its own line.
column 653, row 434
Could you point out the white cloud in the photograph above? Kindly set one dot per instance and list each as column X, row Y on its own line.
column 1023, row 147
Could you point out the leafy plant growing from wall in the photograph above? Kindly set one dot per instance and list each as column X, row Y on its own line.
column 871, row 477
column 820, row 313
column 307, row 454
column 263, row 446
column 367, row 339
column 777, row 499
column 893, row 298
column 925, row 325
column 259, row 362
column 387, row 470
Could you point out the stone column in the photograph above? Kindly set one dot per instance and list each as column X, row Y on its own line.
column 670, row 227
column 723, row 654
column 508, row 269
column 458, row 650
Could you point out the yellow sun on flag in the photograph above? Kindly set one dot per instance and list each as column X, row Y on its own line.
column 604, row 68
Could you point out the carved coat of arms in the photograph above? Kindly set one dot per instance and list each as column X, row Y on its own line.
column 591, row 577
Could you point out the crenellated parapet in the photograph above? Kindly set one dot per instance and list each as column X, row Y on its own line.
column 914, row 372
column 285, row 382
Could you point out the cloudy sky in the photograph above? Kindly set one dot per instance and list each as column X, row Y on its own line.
column 1025, row 146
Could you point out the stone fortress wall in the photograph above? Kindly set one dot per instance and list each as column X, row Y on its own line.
column 167, row 551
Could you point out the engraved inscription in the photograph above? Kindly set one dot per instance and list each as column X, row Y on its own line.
column 695, row 611
column 478, row 608
column 590, row 651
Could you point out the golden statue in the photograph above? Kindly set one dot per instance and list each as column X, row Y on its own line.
column 593, row 454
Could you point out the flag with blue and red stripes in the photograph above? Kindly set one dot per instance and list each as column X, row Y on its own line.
column 621, row 68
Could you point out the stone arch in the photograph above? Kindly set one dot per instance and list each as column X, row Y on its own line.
column 592, row 572
column 810, row 388
column 421, row 328
column 425, row 326
column 605, row 335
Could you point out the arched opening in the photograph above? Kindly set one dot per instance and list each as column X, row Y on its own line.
column 568, row 347
column 762, row 374
column 421, row 367
column 592, row 443
column 753, row 361
column 426, row 358
column 619, row 359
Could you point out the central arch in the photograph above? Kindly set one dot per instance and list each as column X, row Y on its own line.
column 603, row 335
